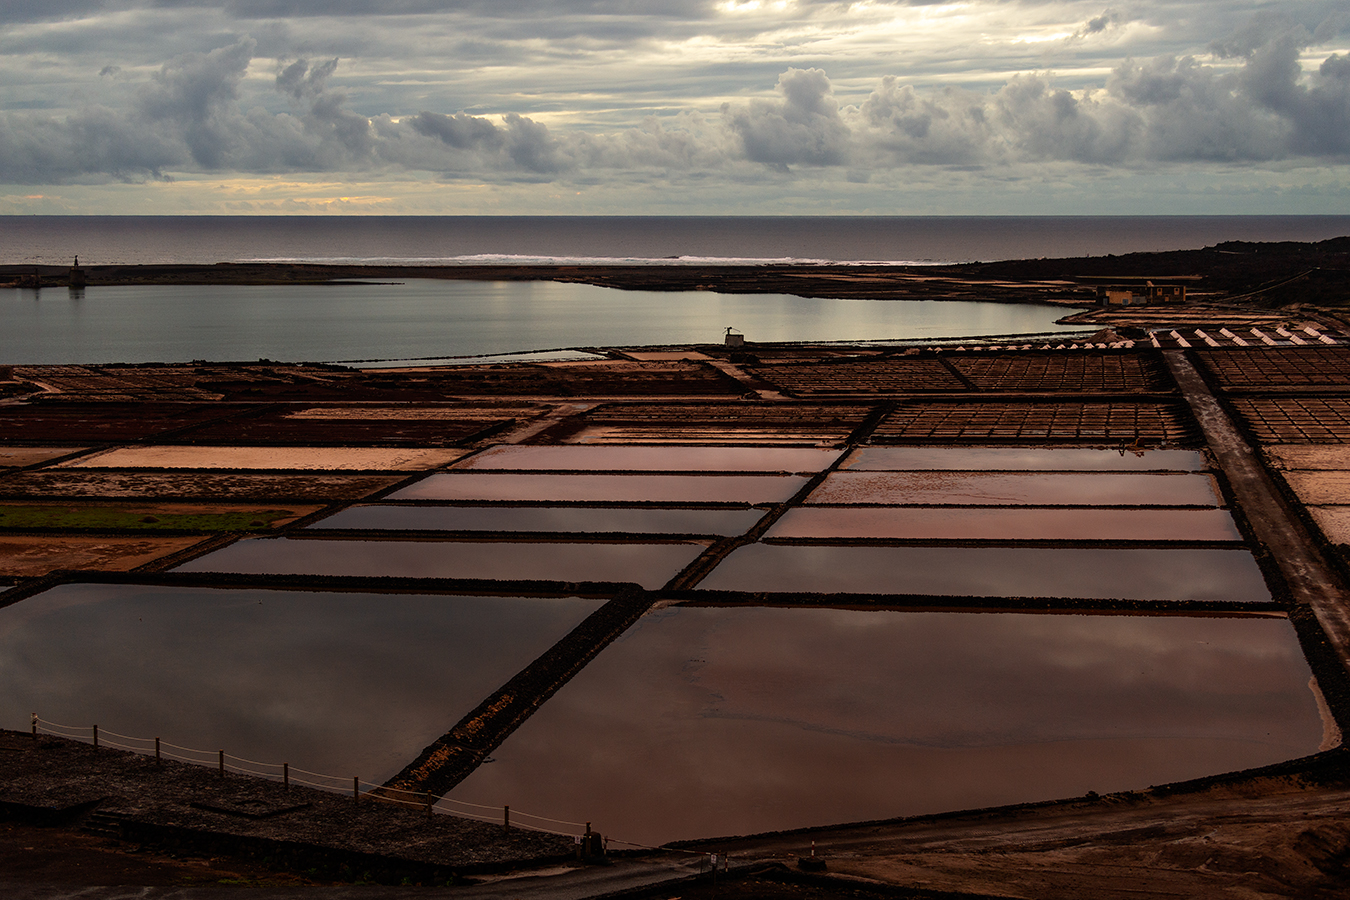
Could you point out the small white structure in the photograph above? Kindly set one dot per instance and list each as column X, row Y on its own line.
column 734, row 338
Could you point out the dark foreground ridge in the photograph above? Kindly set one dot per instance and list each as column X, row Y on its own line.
column 55, row 782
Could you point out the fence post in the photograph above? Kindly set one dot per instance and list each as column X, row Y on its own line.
column 35, row 726
column 222, row 763
column 286, row 775
column 506, row 818
column 95, row 737
column 158, row 761
column 356, row 787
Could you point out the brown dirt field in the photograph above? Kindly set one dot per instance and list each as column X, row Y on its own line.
column 102, row 422
column 29, row 557
column 28, row 456
column 148, row 516
column 267, row 458
column 55, row 483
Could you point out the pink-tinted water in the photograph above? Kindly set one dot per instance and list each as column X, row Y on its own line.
column 604, row 488
column 695, row 459
column 1182, row 574
column 341, row 684
column 704, row 722
column 580, row 519
column 650, row 565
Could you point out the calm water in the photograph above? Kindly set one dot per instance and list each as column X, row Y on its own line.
column 343, row 684
column 426, row 318
column 701, row 722
column 650, row 565
column 994, row 572
column 523, row 239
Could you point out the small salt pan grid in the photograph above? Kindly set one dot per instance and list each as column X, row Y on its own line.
column 1160, row 505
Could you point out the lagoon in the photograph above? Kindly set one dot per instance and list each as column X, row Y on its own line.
column 435, row 319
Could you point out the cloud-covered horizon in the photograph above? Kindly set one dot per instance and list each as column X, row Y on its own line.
column 569, row 93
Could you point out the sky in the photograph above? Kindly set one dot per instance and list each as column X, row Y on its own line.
column 674, row 107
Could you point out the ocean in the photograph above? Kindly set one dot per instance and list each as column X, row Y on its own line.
column 443, row 240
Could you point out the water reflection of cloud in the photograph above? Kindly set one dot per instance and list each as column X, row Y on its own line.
column 714, row 721
column 648, row 564
column 338, row 683
column 1186, row 574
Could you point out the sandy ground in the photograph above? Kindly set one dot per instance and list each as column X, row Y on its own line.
column 28, row 557
column 29, row 456
column 267, row 458
column 1308, row 456
column 44, row 484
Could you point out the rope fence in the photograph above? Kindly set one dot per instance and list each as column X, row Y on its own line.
column 227, row 763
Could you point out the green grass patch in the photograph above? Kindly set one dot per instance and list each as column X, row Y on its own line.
column 99, row 518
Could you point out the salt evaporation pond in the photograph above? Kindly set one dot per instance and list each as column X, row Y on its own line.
column 702, row 722
column 1144, row 574
column 692, row 459
column 578, row 519
column 604, row 488
column 983, row 523
column 648, row 564
column 342, row 684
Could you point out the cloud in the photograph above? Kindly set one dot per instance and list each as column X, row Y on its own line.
column 191, row 116
column 803, row 128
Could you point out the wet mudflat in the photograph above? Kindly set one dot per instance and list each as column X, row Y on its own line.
column 342, row 684
column 702, row 722
column 1063, row 459
column 1017, row 488
column 604, row 488
column 648, row 564
column 576, row 519
column 1142, row 574
column 705, row 459
column 1002, row 524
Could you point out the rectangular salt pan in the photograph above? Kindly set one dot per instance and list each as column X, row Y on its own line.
column 605, row 488
column 694, row 459
column 353, row 458
column 1321, row 488
column 1334, row 522
column 703, row 722
column 337, row 683
column 1182, row 574
column 650, row 565
column 899, row 459
column 1016, row 489
column 27, row 456
column 1309, row 456
column 991, row 524
column 546, row 518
